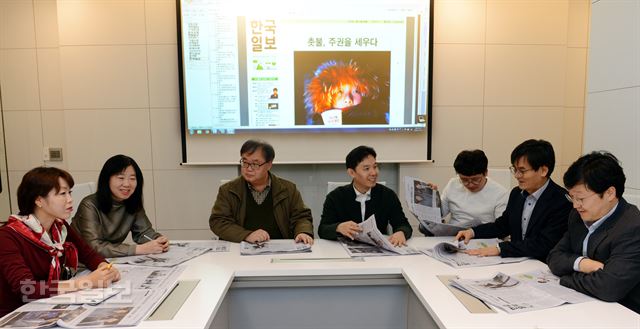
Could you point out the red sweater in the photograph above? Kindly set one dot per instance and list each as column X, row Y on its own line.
column 24, row 268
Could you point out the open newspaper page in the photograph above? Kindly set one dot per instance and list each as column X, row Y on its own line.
column 425, row 204
column 545, row 280
column 508, row 293
column 178, row 253
column 373, row 238
column 452, row 253
column 139, row 292
column 281, row 246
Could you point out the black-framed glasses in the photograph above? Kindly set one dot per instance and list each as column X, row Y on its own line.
column 517, row 171
column 471, row 180
column 253, row 166
column 578, row 201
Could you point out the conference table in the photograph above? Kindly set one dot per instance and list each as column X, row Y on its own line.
column 327, row 289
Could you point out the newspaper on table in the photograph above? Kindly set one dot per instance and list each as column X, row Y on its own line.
column 452, row 253
column 516, row 296
column 179, row 252
column 140, row 291
column 425, row 204
column 546, row 281
column 280, row 246
column 371, row 242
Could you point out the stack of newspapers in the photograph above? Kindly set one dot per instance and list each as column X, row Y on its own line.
column 284, row 246
column 524, row 292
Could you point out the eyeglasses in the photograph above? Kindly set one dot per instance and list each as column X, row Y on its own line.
column 253, row 166
column 515, row 171
column 578, row 201
column 471, row 180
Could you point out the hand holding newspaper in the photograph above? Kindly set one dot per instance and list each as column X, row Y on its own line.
column 371, row 236
column 425, row 204
column 452, row 253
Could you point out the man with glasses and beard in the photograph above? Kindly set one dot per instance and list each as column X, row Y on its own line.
column 537, row 211
column 258, row 205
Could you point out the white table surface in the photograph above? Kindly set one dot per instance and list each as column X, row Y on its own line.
column 216, row 272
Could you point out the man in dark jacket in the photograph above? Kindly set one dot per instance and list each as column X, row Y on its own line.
column 536, row 213
column 600, row 253
column 348, row 205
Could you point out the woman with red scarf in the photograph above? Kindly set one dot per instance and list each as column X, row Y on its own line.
column 39, row 251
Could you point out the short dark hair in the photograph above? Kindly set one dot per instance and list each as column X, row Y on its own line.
column 471, row 162
column 538, row 153
column 38, row 182
column 357, row 155
column 253, row 145
column 113, row 166
column 597, row 171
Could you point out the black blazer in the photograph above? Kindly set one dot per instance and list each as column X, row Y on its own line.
column 546, row 226
column 341, row 206
column 616, row 244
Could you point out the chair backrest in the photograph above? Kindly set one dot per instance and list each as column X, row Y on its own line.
column 633, row 198
column 502, row 176
column 333, row 185
column 79, row 192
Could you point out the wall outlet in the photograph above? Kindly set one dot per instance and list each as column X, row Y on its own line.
column 52, row 154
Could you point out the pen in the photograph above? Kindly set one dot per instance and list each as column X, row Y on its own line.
column 109, row 266
column 147, row 237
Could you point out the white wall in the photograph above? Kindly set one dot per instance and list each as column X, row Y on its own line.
column 99, row 77
column 612, row 118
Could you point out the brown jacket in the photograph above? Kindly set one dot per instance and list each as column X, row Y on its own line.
column 228, row 213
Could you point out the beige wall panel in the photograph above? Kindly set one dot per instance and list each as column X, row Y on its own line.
column 458, row 77
column 459, row 21
column 527, row 22
column 572, row 135
column 184, row 198
column 104, row 77
column 576, row 69
column 614, row 52
column 149, row 195
column 19, row 76
column 455, row 129
column 46, row 19
column 165, row 138
column 578, row 23
column 16, row 24
column 54, row 135
column 49, row 79
column 163, row 76
column 85, row 176
column 101, row 22
column 525, row 75
column 161, row 21
column 95, row 135
column 23, row 135
column 506, row 127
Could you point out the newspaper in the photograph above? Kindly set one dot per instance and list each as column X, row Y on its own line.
column 370, row 242
column 452, row 253
column 425, row 204
column 533, row 291
column 178, row 253
column 140, row 291
column 545, row 280
column 281, row 246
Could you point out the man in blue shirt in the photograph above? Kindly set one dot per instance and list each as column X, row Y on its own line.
column 600, row 253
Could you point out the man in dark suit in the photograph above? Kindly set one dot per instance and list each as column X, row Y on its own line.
column 536, row 213
column 600, row 253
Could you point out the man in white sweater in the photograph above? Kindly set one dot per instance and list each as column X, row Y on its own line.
column 471, row 198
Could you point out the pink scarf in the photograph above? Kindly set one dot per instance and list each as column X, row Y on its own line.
column 30, row 228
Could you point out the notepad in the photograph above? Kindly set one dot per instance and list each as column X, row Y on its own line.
column 87, row 296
